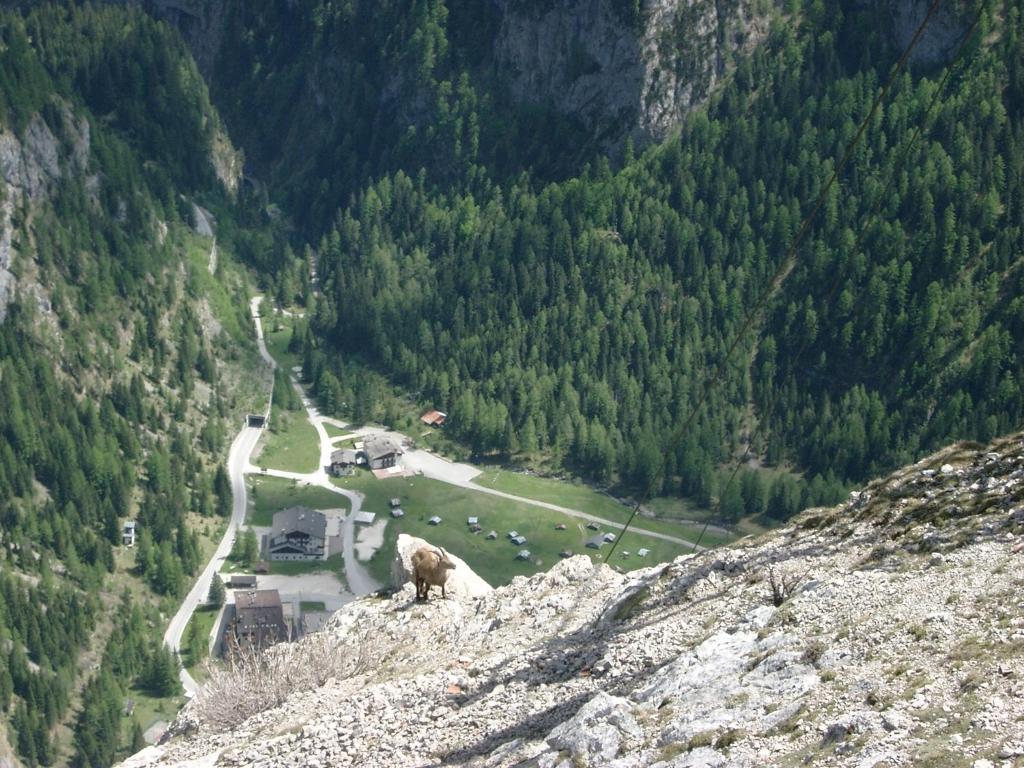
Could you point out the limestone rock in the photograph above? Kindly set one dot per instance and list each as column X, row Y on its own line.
column 598, row 732
column 685, row 664
column 462, row 582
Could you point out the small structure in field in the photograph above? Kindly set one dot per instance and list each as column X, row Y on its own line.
column 642, row 552
column 609, row 537
column 593, row 526
column 475, row 528
column 397, row 512
column 560, row 527
column 492, row 535
column 241, row 581
column 365, row 517
column 435, row 520
column 524, row 554
column 128, row 533
column 596, row 542
column 512, row 534
column 473, row 520
column 519, row 540
column 395, row 502
column 433, row 418
column 565, row 553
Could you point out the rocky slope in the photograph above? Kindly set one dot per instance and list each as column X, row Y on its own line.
column 30, row 164
column 898, row 640
column 586, row 60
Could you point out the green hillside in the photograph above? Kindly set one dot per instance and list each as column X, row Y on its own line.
column 124, row 364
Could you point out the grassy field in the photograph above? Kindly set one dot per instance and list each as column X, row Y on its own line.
column 225, row 306
column 333, row 431
column 149, row 709
column 203, row 618
column 312, row 605
column 333, row 563
column 495, row 561
column 290, row 444
column 585, row 499
column 272, row 494
column 277, row 332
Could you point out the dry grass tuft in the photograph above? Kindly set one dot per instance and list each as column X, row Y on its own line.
column 255, row 681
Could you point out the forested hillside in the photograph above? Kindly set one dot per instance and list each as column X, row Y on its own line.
column 121, row 362
column 578, row 319
column 562, row 299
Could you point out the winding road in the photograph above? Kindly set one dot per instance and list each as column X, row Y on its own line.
column 239, row 465
column 359, row 580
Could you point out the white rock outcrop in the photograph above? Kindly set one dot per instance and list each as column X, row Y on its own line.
column 875, row 657
column 462, row 583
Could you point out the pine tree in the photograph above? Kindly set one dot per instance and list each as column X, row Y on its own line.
column 160, row 675
column 217, row 593
column 138, row 739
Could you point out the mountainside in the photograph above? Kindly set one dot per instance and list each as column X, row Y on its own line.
column 898, row 639
column 122, row 365
column 482, row 251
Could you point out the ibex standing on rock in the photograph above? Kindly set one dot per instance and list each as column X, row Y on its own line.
column 430, row 567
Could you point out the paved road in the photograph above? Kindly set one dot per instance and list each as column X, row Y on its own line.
column 238, row 461
column 360, row 582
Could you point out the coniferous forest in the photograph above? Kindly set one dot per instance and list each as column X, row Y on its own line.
column 564, row 291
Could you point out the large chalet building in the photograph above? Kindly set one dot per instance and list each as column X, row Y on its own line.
column 298, row 533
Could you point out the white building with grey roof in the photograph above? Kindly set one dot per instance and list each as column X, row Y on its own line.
column 299, row 533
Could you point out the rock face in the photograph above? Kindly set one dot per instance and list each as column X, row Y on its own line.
column 462, row 582
column 941, row 36
column 30, row 164
column 638, row 76
column 879, row 654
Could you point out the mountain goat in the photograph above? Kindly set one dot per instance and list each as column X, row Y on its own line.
column 430, row 567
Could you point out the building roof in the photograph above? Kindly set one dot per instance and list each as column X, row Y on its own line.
column 492, row 535
column 397, row 512
column 524, row 554
column 609, row 537
column 518, row 539
column 343, row 456
column 257, row 598
column 259, row 615
column 435, row 520
column 242, row 580
column 596, row 542
column 434, row 418
column 513, row 534
column 379, row 446
column 473, row 520
column 643, row 551
column 362, row 516
column 396, row 502
column 300, row 519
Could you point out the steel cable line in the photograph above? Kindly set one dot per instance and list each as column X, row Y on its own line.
column 866, row 225
column 775, row 282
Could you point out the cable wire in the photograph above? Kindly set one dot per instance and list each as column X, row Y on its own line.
column 775, row 282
